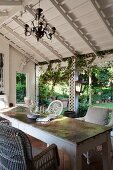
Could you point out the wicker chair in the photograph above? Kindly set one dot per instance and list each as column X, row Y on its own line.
column 55, row 107
column 4, row 121
column 16, row 152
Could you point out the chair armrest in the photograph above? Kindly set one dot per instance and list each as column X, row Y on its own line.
column 81, row 118
column 47, row 159
column 110, row 124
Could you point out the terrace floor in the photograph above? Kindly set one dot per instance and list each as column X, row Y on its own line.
column 64, row 160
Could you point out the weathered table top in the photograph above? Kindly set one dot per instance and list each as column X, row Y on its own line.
column 66, row 128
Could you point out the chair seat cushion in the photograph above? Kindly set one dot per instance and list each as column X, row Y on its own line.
column 97, row 115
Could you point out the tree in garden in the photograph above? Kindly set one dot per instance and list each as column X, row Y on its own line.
column 55, row 76
column 20, row 87
column 100, row 76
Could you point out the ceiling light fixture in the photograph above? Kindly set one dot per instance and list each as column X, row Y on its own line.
column 39, row 26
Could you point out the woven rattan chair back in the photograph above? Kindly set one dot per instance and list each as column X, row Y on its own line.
column 16, row 152
column 15, row 149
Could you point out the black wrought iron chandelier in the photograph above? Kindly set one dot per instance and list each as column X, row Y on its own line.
column 39, row 26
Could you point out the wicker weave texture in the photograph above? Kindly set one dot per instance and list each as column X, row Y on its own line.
column 16, row 152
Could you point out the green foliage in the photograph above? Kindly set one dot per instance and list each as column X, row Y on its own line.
column 102, row 89
column 20, row 78
column 20, row 87
column 83, row 62
column 82, row 109
column 54, row 76
column 106, row 94
column 44, row 92
column 57, row 75
column 100, row 76
column 20, row 93
column 83, row 103
column 61, row 96
column 101, row 81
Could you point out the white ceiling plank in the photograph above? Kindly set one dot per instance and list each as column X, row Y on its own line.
column 103, row 19
column 26, row 43
column 15, row 9
column 56, row 35
column 84, row 26
column 2, row 14
column 10, row 3
column 12, row 13
column 19, row 49
column 73, row 24
column 21, row 23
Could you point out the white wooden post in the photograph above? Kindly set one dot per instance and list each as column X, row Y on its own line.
column 89, row 89
column 73, row 96
column 37, row 84
column 76, row 94
column 72, row 92
column 72, row 89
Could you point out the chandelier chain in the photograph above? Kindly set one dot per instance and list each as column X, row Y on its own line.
column 39, row 3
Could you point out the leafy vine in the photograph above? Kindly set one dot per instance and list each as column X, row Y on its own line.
column 58, row 74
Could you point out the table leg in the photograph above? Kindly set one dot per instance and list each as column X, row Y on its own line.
column 106, row 154
column 76, row 160
column 79, row 162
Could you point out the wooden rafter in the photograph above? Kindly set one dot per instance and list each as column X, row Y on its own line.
column 37, row 52
column 103, row 18
column 73, row 24
column 21, row 23
column 56, row 35
column 10, row 3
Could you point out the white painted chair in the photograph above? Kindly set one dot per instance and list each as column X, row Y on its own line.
column 97, row 115
column 55, row 107
column 110, row 123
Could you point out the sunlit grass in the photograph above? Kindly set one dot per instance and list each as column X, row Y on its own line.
column 105, row 105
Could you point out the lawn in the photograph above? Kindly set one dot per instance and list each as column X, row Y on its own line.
column 105, row 105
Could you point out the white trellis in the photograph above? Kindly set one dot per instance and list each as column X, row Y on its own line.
column 73, row 98
column 72, row 89
column 73, row 95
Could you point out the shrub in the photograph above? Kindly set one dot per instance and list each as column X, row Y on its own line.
column 82, row 109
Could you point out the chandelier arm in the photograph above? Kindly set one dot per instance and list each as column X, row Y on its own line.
column 33, row 23
column 26, row 33
column 48, row 36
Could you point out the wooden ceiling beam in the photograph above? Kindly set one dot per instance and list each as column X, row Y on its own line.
column 18, row 48
column 74, row 25
column 4, row 14
column 37, row 52
column 11, row 14
column 56, row 35
column 18, row 6
column 10, row 3
column 21, row 23
column 102, row 16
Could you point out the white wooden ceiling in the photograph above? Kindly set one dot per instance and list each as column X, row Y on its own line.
column 83, row 26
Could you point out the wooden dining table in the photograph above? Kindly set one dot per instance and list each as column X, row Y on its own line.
column 73, row 136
